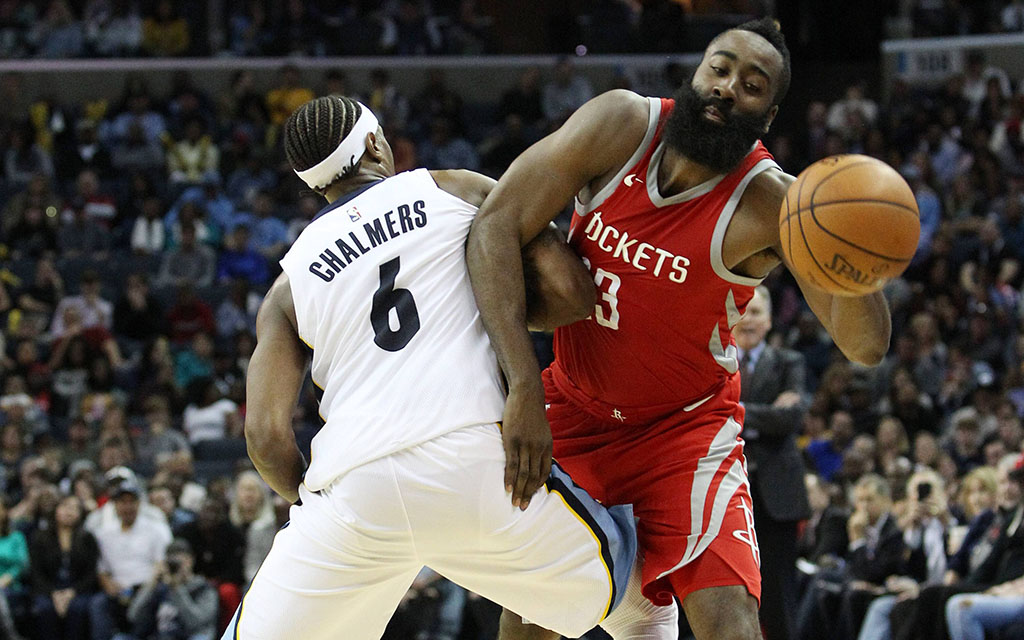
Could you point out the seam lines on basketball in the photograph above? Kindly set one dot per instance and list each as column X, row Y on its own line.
column 856, row 201
column 814, row 216
column 800, row 221
column 843, row 240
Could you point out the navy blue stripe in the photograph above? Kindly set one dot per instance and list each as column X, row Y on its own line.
column 347, row 197
column 555, row 483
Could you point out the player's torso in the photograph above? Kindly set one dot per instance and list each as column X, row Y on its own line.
column 382, row 296
column 661, row 331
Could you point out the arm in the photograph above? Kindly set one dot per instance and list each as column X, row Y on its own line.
column 784, row 416
column 273, row 381
column 596, row 141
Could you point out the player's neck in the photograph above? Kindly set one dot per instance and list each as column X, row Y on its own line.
column 340, row 188
column 677, row 173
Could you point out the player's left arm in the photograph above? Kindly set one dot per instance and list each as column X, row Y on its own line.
column 273, row 380
column 860, row 326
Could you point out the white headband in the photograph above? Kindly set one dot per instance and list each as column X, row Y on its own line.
column 348, row 153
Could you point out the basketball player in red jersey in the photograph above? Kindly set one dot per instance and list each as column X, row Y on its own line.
column 677, row 206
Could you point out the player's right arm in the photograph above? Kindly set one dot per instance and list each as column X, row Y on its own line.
column 593, row 144
column 273, row 380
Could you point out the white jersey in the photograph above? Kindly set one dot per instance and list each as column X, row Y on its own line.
column 382, row 297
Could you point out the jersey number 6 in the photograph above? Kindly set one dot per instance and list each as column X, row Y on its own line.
column 386, row 298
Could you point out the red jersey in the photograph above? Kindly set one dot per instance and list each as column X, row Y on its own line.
column 661, row 334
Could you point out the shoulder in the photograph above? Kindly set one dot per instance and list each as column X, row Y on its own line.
column 767, row 190
column 466, row 185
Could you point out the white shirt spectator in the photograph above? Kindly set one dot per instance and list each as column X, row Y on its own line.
column 148, row 235
column 130, row 556
column 209, row 422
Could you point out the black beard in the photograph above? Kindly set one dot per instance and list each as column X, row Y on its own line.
column 718, row 146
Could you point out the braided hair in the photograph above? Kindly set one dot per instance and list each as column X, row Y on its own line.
column 315, row 130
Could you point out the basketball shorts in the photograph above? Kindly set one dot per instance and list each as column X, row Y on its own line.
column 341, row 565
column 685, row 475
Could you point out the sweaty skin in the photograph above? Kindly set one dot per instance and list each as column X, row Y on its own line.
column 738, row 67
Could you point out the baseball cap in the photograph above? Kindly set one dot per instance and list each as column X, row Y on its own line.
column 126, row 486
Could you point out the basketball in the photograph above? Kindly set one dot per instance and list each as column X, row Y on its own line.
column 849, row 224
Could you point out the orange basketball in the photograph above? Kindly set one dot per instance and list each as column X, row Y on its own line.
column 849, row 223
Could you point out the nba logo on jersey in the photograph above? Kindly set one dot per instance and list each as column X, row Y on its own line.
column 353, row 214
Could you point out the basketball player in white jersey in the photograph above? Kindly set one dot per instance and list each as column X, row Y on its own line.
column 409, row 467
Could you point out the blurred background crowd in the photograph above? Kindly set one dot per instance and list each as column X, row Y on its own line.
column 139, row 230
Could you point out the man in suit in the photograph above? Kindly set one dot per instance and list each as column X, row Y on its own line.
column 773, row 393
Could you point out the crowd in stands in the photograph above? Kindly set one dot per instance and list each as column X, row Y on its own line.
column 137, row 236
column 154, row 28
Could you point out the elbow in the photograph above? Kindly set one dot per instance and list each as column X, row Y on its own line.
column 260, row 441
column 560, row 302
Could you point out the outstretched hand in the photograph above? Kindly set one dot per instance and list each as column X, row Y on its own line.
column 526, row 437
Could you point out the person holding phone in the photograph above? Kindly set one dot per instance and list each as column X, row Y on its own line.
column 176, row 604
column 923, row 520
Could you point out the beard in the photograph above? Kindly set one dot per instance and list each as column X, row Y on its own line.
column 718, row 146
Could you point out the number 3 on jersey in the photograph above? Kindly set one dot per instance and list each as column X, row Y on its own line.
column 386, row 298
column 606, row 311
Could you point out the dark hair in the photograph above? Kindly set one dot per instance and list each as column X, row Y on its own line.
column 315, row 130
column 768, row 29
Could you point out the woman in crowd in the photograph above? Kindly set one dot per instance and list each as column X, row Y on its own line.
column 252, row 513
column 64, row 558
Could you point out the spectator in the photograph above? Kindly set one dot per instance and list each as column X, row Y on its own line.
column 83, row 236
column 1003, row 561
column 773, row 393
column 504, row 146
column 209, row 416
column 58, row 34
column 33, row 235
column 824, row 538
column 239, row 261
column 188, row 316
column 131, row 549
column 524, row 99
column 923, row 521
column 194, row 159
column 446, row 150
column 269, row 232
column 238, row 311
column 387, row 101
column 64, row 579
column 207, row 198
column 252, row 512
column 249, row 30
column 137, row 315
column 565, row 93
column 219, row 551
column 175, row 604
column 92, row 309
column 97, row 206
column 38, row 193
column 148, row 231
column 165, row 34
column 140, row 113
column 190, row 262
column 14, row 560
column 288, row 95
column 135, row 153
column 827, row 453
column 853, row 114
column 24, row 158
column 115, row 31
column 85, row 152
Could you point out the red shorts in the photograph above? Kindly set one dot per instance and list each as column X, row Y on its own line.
column 685, row 475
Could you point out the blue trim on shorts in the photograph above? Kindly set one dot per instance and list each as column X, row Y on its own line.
column 614, row 527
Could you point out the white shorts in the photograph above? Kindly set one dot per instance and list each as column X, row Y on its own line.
column 341, row 565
